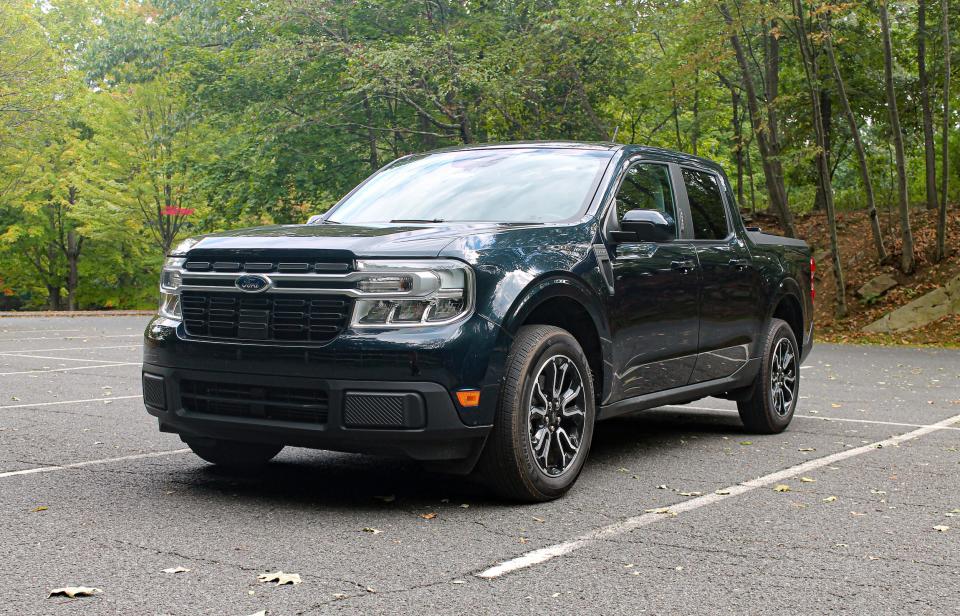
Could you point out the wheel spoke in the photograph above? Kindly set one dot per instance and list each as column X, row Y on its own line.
column 574, row 447
column 573, row 411
column 570, row 395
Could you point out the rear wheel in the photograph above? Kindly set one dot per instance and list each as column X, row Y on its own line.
column 544, row 422
column 772, row 399
column 234, row 454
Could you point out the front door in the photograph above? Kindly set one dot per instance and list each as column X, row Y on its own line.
column 653, row 311
column 729, row 282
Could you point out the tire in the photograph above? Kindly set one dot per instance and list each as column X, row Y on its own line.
column 234, row 454
column 771, row 400
column 531, row 420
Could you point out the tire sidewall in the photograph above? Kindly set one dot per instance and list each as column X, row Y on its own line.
column 779, row 330
column 559, row 343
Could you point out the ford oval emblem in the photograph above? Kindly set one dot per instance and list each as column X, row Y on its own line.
column 253, row 283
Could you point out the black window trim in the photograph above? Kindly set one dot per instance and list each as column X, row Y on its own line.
column 731, row 230
column 609, row 217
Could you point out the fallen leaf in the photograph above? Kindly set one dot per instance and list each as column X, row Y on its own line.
column 339, row 596
column 524, row 540
column 836, row 406
column 458, row 582
column 808, row 480
column 428, row 516
column 260, row 613
column 40, row 508
column 663, row 486
column 722, row 492
column 74, row 591
column 874, row 491
column 662, row 511
column 388, row 498
column 781, row 488
column 807, row 449
column 746, row 442
column 941, row 528
column 679, row 568
column 555, row 595
column 280, row 578
column 540, row 520
column 690, row 493
column 465, row 506
column 372, row 531
column 175, row 570
column 830, row 499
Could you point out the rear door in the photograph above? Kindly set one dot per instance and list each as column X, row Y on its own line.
column 729, row 282
column 653, row 311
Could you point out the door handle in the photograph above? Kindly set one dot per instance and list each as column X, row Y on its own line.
column 687, row 265
column 740, row 264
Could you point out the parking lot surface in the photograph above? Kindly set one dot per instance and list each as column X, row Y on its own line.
column 678, row 510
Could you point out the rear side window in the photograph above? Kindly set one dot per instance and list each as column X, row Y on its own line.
column 706, row 205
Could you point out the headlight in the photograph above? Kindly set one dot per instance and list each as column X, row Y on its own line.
column 413, row 293
column 170, row 281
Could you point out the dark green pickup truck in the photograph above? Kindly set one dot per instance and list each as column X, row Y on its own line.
column 478, row 309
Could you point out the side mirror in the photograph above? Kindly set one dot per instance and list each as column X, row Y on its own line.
column 646, row 226
column 314, row 218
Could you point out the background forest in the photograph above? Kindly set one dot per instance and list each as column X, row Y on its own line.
column 125, row 125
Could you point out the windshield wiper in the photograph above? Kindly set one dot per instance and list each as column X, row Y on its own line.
column 417, row 220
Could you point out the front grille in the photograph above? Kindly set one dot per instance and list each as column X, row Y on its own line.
column 264, row 317
column 255, row 401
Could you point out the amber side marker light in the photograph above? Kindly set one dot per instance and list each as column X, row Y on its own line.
column 468, row 397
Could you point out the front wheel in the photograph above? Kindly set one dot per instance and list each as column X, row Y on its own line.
column 234, row 454
column 544, row 421
column 773, row 395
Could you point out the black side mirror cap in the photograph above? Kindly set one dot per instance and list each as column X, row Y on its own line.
column 645, row 226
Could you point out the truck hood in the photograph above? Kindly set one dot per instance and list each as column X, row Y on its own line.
column 381, row 240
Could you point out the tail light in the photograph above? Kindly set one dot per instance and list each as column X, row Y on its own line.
column 813, row 270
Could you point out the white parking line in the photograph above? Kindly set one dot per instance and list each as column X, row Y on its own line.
column 818, row 417
column 50, row 469
column 613, row 530
column 72, row 337
column 58, row 402
column 99, row 361
column 36, row 331
column 122, row 346
column 128, row 363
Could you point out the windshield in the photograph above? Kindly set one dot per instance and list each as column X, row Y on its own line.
column 496, row 185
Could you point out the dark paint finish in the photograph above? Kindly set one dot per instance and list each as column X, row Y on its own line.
column 671, row 318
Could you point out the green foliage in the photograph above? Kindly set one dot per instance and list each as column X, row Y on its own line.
column 128, row 124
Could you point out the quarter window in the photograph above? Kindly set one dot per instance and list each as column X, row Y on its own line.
column 706, row 205
column 646, row 187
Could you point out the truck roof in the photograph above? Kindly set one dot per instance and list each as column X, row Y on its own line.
column 660, row 153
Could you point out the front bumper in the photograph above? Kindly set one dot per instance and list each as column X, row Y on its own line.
column 425, row 368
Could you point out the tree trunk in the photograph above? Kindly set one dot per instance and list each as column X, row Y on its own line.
column 811, row 71
column 857, row 143
column 765, row 134
column 826, row 115
column 371, row 134
column 737, row 143
column 945, row 153
column 74, row 245
column 695, row 129
column 929, row 154
column 907, row 260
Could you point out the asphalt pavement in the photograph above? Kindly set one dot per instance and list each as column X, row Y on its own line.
column 678, row 510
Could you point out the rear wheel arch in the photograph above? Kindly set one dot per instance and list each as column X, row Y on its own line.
column 787, row 306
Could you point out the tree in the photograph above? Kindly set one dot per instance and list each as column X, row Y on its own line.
column 765, row 128
column 144, row 139
column 907, row 259
column 929, row 155
column 812, row 72
column 944, row 137
column 855, row 134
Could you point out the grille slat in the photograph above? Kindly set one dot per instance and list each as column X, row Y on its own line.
column 270, row 317
column 238, row 400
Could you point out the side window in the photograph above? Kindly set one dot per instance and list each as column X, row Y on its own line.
column 646, row 187
column 706, row 205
